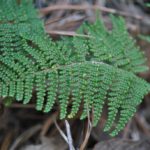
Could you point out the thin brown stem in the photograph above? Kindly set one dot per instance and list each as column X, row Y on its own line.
column 86, row 7
column 88, row 132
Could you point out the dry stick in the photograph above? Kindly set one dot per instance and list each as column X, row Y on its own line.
column 25, row 136
column 70, row 143
column 61, row 132
column 48, row 123
column 127, row 130
column 82, row 7
column 22, row 106
column 63, row 135
column 88, row 133
column 86, row 7
column 141, row 125
column 68, row 33
column 7, row 141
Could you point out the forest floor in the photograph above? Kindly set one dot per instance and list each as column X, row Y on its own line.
column 23, row 128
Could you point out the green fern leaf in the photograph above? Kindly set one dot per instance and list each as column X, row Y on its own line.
column 94, row 71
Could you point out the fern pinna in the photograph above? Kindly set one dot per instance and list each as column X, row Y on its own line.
column 95, row 71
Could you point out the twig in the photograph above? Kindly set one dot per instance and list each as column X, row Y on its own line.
column 61, row 132
column 141, row 124
column 48, row 123
column 25, row 136
column 27, row 106
column 127, row 130
column 67, row 139
column 7, row 140
column 68, row 33
column 88, row 133
column 70, row 143
column 86, row 7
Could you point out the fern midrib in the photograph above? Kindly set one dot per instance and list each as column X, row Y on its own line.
column 57, row 67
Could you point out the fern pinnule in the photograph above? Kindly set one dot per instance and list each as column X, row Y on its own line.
column 116, row 97
column 19, row 90
column 38, row 59
column 106, row 78
column 23, row 60
column 76, row 92
column 64, row 91
column 17, row 67
column 6, row 74
column 4, row 90
column 40, row 81
column 86, row 91
column 52, row 88
column 28, row 87
column 12, row 89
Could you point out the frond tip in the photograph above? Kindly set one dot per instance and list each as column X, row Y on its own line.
column 96, row 72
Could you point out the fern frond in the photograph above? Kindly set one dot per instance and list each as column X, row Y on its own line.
column 94, row 71
column 114, row 47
